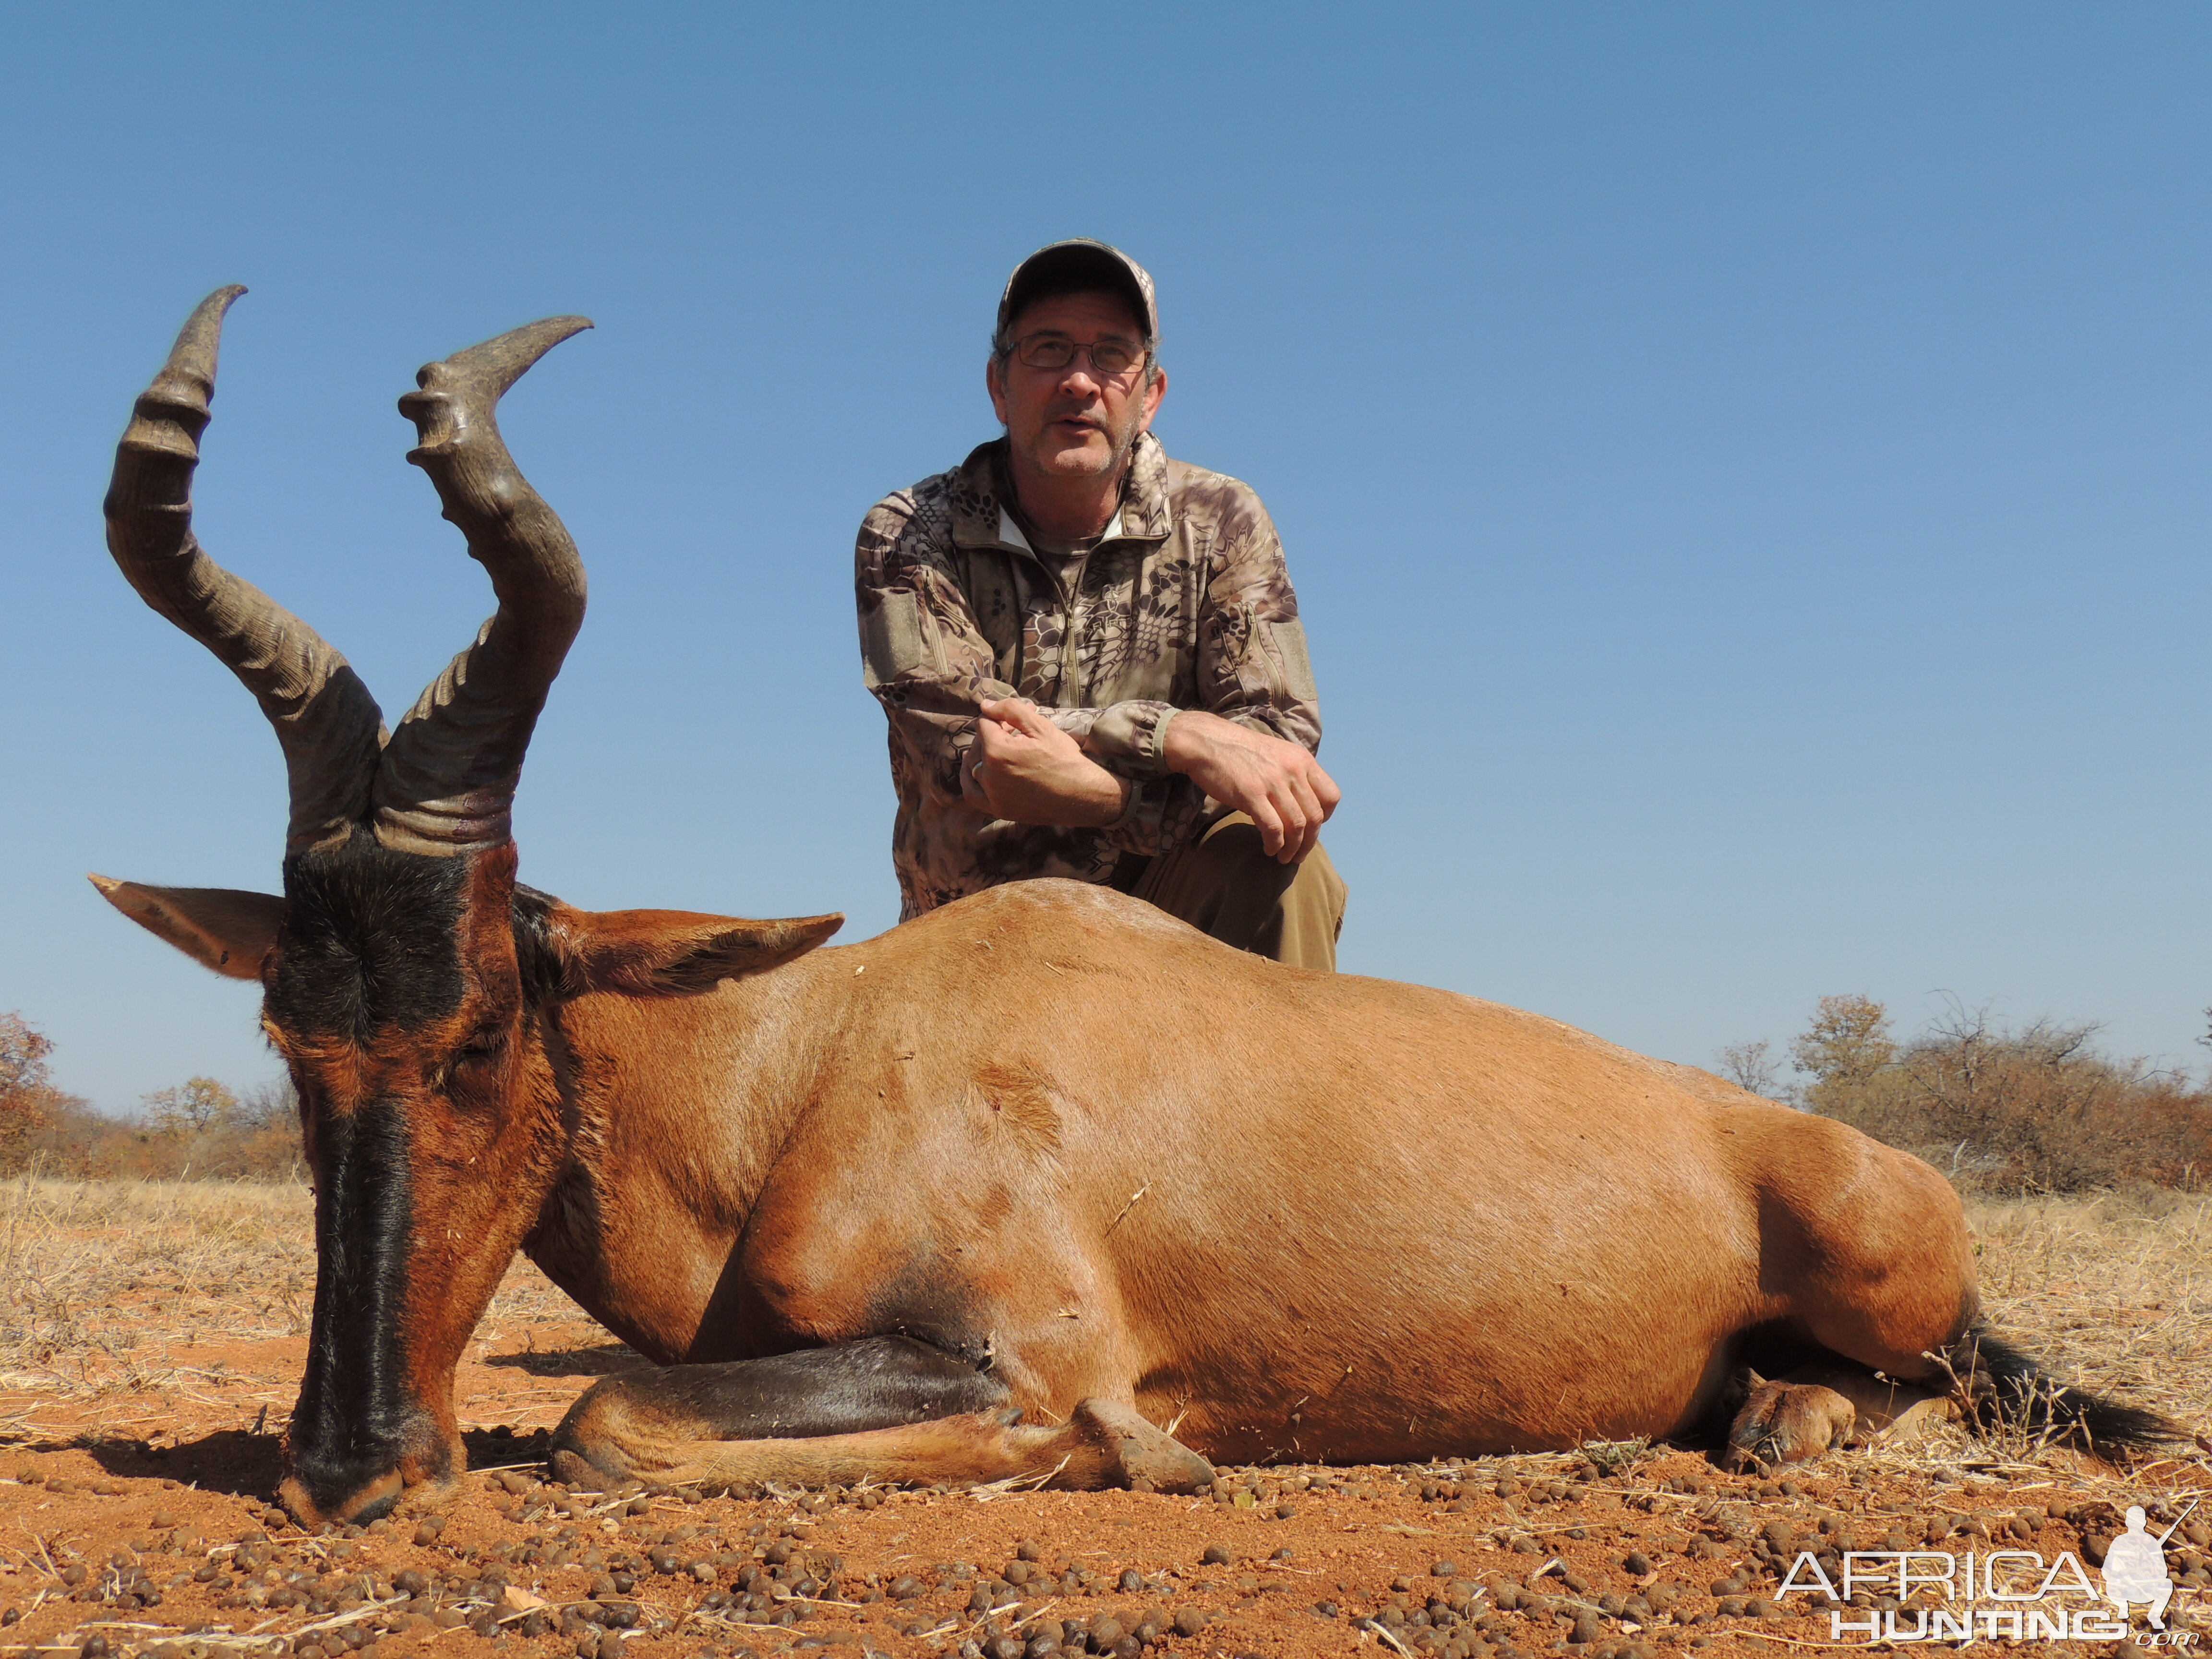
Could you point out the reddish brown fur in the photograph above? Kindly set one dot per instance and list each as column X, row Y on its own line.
column 484, row 1129
column 1409, row 1221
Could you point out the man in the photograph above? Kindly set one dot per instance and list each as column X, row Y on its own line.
column 1090, row 654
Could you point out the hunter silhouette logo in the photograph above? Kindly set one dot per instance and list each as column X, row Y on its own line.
column 2135, row 1568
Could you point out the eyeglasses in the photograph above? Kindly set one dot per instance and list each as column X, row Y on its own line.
column 1110, row 358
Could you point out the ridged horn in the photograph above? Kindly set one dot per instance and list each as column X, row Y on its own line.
column 448, row 779
column 325, row 720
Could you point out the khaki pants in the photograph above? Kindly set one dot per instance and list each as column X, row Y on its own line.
column 1224, row 885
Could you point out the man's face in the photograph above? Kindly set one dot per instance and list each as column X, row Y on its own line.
column 1074, row 423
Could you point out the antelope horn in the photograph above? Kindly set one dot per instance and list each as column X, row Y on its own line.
column 448, row 776
column 325, row 720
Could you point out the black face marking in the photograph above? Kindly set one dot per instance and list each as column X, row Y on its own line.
column 354, row 1420
column 370, row 942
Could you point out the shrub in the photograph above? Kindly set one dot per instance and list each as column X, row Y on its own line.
column 29, row 1100
column 2036, row 1109
column 256, row 1138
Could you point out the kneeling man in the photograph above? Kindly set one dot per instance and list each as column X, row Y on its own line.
column 1090, row 654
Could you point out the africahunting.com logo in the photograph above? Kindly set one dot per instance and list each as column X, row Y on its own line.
column 2013, row 1596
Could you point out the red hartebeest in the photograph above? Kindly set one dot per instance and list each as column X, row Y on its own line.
column 1041, row 1154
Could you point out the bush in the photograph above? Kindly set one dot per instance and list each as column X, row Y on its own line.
column 198, row 1128
column 259, row 1140
column 29, row 1102
column 2036, row 1109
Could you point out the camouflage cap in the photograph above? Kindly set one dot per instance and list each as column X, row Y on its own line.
column 1076, row 262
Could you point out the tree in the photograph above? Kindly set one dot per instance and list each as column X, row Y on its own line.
column 1751, row 1066
column 1846, row 1050
column 196, row 1106
column 271, row 1105
column 28, row 1096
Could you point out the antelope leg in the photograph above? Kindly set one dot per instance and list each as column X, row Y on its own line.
column 1785, row 1422
column 886, row 1409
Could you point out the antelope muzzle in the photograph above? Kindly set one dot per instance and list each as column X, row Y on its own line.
column 367, row 1429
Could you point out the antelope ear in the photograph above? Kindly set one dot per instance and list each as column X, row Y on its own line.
column 219, row 928
column 674, row 952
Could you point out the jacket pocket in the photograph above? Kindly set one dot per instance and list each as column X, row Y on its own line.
column 1284, row 644
column 1272, row 669
column 891, row 637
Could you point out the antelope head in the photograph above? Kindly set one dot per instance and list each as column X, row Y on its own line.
column 407, row 979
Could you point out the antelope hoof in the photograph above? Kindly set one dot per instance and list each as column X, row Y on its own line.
column 574, row 1470
column 371, row 1502
column 1786, row 1423
column 587, row 1445
column 1129, row 1450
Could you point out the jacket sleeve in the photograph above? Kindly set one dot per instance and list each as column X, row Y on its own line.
column 921, row 655
column 1252, row 663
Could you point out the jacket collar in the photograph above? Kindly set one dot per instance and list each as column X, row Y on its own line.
column 980, row 518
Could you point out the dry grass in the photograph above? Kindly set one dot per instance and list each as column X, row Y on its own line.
column 104, row 1282
column 2114, row 1294
column 100, row 1281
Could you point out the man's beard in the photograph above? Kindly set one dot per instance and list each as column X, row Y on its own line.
column 1123, row 443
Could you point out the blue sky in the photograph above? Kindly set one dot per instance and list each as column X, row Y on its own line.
column 1744, row 466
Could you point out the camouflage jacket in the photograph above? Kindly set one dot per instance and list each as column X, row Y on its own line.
column 1184, row 603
